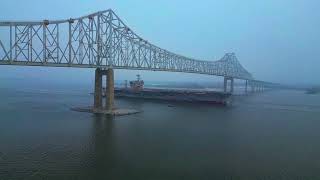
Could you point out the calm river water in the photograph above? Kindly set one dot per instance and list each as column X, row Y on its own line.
column 273, row 135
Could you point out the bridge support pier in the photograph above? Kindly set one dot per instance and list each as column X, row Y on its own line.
column 232, row 85
column 98, row 89
column 225, row 85
column 109, row 103
column 110, row 90
column 106, row 108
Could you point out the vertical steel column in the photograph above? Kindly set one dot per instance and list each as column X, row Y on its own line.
column 15, row 42
column 90, row 41
column 98, row 41
column 11, row 43
column 114, row 39
column 70, row 42
column 110, row 90
column 58, row 43
column 81, row 36
column 30, row 42
column 111, row 43
column 98, row 90
column 44, row 43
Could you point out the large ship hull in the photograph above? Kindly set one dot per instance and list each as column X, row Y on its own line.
column 176, row 95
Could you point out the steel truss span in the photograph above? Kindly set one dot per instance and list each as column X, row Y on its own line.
column 99, row 40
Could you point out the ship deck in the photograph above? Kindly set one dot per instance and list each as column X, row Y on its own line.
column 176, row 95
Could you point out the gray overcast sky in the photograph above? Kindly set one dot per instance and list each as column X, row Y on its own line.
column 276, row 40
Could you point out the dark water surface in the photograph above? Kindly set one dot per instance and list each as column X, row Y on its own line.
column 274, row 135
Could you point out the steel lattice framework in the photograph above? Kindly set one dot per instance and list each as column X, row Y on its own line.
column 99, row 40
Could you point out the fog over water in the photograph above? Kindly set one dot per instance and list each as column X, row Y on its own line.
column 271, row 135
column 263, row 135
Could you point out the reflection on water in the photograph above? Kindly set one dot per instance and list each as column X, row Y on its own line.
column 273, row 135
column 104, row 146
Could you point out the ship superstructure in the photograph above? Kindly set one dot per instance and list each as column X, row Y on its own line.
column 137, row 85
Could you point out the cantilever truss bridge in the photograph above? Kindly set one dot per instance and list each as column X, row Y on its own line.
column 99, row 40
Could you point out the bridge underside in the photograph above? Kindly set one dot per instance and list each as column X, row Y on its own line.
column 66, row 65
column 255, row 85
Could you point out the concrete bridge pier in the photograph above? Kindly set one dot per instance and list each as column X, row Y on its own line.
column 108, row 106
column 98, row 90
column 232, row 85
column 225, row 85
column 98, row 99
column 110, row 90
